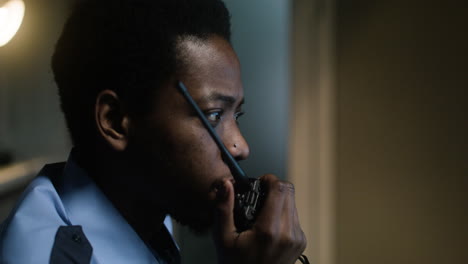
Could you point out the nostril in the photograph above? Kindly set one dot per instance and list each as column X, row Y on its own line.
column 243, row 152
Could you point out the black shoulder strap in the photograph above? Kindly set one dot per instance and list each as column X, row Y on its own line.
column 54, row 171
column 71, row 246
column 165, row 247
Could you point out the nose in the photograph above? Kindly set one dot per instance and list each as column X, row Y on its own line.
column 236, row 144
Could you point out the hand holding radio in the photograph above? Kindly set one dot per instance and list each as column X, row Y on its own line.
column 274, row 237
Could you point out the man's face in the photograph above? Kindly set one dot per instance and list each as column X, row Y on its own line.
column 182, row 163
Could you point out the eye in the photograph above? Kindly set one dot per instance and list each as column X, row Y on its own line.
column 214, row 117
column 238, row 115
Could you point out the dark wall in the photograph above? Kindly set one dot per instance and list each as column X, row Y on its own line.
column 403, row 127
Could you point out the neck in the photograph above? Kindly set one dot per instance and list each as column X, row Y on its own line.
column 119, row 182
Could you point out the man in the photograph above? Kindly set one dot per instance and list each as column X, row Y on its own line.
column 140, row 152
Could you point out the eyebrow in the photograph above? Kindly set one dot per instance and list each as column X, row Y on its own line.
column 229, row 100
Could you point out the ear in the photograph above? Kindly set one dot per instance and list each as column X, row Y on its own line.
column 112, row 120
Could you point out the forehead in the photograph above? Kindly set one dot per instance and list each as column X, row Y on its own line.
column 209, row 66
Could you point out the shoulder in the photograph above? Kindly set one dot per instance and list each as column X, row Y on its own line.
column 27, row 236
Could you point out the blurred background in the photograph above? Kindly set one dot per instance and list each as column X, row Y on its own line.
column 362, row 104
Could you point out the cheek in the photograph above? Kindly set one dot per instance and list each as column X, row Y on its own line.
column 194, row 159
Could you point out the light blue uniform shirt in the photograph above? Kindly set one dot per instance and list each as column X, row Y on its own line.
column 27, row 236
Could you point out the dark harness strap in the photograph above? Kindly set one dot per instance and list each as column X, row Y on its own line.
column 71, row 246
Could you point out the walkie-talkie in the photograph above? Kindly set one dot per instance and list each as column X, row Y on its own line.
column 248, row 191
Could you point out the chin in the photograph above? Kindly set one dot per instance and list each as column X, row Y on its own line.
column 199, row 222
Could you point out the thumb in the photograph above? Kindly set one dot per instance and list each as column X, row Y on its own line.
column 224, row 228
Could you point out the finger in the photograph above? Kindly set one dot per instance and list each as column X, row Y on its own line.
column 289, row 216
column 299, row 232
column 270, row 216
column 292, row 223
column 224, row 228
column 295, row 228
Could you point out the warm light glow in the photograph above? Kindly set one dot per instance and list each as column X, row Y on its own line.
column 11, row 16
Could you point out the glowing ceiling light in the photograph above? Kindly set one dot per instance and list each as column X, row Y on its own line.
column 11, row 16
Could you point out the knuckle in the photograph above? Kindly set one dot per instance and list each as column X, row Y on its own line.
column 284, row 187
column 287, row 242
column 292, row 242
column 269, row 178
column 266, row 236
column 302, row 242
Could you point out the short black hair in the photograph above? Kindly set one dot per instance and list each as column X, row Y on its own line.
column 128, row 46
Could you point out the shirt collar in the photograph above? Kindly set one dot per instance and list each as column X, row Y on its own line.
column 106, row 229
